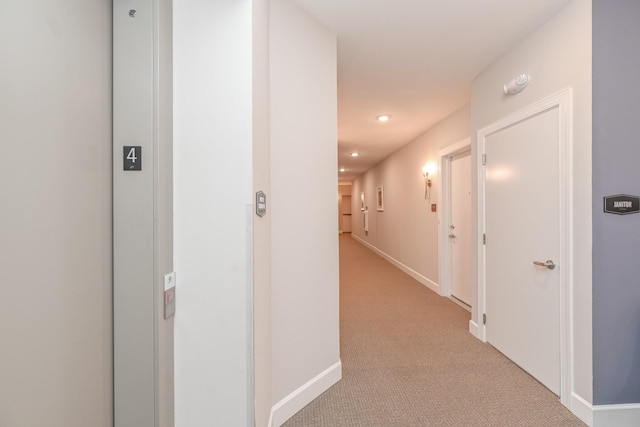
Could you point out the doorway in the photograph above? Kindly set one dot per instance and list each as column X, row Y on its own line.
column 460, row 228
column 523, row 249
column 346, row 214
column 455, row 234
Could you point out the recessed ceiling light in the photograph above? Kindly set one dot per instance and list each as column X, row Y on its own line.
column 354, row 154
column 384, row 118
column 342, row 169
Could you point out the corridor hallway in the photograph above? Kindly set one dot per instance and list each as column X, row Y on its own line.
column 409, row 360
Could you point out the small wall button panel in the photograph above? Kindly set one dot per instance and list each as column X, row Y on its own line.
column 169, row 294
column 261, row 203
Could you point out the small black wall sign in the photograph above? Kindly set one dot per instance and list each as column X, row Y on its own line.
column 132, row 158
column 622, row 204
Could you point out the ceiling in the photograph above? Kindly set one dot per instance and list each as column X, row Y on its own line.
column 413, row 60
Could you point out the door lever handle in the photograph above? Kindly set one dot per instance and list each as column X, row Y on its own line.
column 453, row 236
column 549, row 264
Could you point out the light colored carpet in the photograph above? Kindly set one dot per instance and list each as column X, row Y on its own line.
column 409, row 360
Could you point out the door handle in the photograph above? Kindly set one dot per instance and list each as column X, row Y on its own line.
column 453, row 236
column 549, row 264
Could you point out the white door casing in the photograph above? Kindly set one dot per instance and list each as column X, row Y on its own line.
column 511, row 215
column 444, row 214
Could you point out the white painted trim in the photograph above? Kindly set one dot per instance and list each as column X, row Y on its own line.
column 563, row 101
column 623, row 415
column 459, row 147
column 304, row 395
column 582, row 409
column 411, row 272
column 480, row 229
column 626, row 415
column 251, row 365
column 473, row 328
column 444, row 213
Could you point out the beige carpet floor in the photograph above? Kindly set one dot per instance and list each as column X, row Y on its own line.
column 409, row 360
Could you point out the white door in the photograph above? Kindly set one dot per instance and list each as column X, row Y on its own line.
column 522, row 202
column 460, row 227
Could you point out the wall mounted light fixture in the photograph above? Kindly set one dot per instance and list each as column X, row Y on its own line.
column 516, row 85
column 428, row 169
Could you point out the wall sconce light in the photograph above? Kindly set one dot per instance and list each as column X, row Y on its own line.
column 428, row 169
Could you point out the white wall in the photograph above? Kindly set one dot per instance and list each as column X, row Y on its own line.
column 556, row 56
column 407, row 230
column 304, row 235
column 261, row 226
column 213, row 200
column 55, row 236
column 222, row 154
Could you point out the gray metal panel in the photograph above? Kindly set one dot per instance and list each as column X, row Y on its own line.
column 55, row 236
column 137, row 195
column 164, row 349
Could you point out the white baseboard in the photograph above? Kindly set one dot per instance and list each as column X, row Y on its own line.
column 419, row 277
column 627, row 415
column 582, row 409
column 624, row 415
column 473, row 329
column 300, row 398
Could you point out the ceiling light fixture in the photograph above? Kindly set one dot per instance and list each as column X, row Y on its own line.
column 384, row 118
column 354, row 154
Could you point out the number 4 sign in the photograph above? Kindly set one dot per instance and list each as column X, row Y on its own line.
column 132, row 156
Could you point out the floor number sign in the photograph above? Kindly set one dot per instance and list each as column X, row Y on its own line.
column 132, row 156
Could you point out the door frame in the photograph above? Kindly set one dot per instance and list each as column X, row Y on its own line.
column 562, row 103
column 444, row 216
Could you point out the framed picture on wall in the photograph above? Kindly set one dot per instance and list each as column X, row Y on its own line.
column 362, row 205
column 379, row 198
